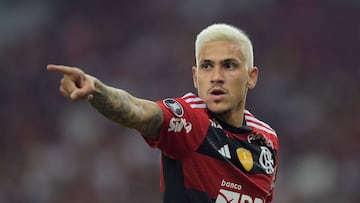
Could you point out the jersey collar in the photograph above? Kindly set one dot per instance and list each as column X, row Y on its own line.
column 233, row 129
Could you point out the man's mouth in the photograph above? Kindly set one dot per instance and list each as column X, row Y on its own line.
column 217, row 91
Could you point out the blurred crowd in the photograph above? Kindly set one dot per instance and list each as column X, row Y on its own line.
column 56, row 151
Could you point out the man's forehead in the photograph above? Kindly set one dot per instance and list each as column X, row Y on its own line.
column 221, row 50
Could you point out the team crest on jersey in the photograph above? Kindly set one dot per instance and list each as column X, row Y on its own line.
column 174, row 106
column 266, row 161
column 245, row 157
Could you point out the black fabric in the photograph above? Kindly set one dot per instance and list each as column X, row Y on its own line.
column 173, row 181
column 233, row 129
column 216, row 138
column 195, row 196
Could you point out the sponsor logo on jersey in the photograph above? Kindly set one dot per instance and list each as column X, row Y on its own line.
column 174, row 106
column 228, row 196
column 245, row 158
column 178, row 124
column 266, row 160
column 231, row 185
column 262, row 138
column 224, row 150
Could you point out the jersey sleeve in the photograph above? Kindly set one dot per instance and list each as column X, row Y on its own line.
column 183, row 128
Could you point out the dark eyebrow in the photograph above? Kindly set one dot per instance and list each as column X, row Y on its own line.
column 230, row 60
column 206, row 61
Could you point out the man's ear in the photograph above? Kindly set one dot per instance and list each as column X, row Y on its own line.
column 253, row 73
column 194, row 72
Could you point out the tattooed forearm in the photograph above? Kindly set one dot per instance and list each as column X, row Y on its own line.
column 113, row 104
column 120, row 107
column 152, row 127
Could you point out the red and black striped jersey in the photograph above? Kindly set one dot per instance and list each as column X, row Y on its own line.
column 206, row 160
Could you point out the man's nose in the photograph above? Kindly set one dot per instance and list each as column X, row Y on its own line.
column 217, row 75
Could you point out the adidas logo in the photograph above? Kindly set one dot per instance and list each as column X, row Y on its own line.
column 224, row 150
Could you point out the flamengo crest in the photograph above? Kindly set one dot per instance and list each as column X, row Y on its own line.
column 266, row 161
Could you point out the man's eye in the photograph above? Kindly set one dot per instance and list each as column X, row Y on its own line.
column 206, row 66
column 230, row 65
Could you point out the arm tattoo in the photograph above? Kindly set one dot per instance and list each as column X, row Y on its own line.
column 120, row 107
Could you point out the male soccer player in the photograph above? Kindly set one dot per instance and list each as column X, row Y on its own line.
column 212, row 148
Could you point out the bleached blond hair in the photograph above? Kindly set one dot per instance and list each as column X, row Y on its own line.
column 225, row 32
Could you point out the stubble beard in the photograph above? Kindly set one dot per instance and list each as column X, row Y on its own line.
column 220, row 113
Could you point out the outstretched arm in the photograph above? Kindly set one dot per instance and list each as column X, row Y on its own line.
column 115, row 104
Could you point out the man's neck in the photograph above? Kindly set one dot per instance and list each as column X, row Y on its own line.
column 232, row 118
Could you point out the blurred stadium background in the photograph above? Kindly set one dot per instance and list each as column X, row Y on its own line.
column 52, row 150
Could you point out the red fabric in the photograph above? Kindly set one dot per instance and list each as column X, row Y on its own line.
column 184, row 130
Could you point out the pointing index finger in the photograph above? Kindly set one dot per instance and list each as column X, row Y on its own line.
column 60, row 68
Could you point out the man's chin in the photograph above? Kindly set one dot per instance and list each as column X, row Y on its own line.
column 218, row 110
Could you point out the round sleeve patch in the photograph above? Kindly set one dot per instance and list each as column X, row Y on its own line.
column 174, row 106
